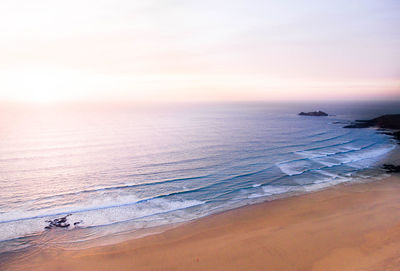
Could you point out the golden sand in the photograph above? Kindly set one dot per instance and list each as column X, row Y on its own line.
column 346, row 227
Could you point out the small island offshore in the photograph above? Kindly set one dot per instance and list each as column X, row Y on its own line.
column 314, row 114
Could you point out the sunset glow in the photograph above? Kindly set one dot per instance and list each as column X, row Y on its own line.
column 53, row 51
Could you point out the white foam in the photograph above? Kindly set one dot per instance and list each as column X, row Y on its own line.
column 96, row 217
column 276, row 189
column 313, row 154
column 333, row 176
column 100, row 202
column 365, row 158
column 270, row 190
column 355, row 157
column 328, row 161
column 296, row 167
column 324, row 183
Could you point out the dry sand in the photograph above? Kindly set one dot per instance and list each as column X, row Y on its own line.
column 346, row 227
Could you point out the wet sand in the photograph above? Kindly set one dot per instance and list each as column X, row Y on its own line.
column 346, row 227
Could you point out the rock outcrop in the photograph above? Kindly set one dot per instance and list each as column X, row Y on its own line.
column 60, row 223
column 388, row 125
column 385, row 121
column 390, row 122
column 391, row 168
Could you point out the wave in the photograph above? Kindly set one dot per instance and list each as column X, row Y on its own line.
column 271, row 190
column 93, row 206
column 291, row 168
column 333, row 145
column 303, row 165
column 110, row 188
column 174, row 184
column 95, row 217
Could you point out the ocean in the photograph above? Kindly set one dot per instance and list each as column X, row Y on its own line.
column 129, row 169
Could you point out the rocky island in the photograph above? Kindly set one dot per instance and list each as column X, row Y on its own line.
column 314, row 114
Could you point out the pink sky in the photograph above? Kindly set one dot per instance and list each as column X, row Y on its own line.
column 119, row 50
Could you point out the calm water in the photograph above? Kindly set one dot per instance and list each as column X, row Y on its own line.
column 119, row 170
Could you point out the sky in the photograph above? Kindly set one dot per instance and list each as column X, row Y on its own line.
column 162, row 50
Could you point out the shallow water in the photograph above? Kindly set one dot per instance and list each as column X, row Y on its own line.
column 122, row 169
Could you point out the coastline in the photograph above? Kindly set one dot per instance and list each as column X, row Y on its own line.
column 337, row 228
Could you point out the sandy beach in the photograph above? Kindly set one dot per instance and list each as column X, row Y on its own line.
column 346, row 227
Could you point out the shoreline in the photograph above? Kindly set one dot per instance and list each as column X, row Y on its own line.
column 392, row 156
column 117, row 212
column 115, row 239
column 314, row 231
column 276, row 234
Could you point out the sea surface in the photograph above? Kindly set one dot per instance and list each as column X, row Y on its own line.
column 123, row 169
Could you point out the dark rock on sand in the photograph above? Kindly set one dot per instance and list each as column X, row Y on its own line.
column 314, row 114
column 58, row 222
column 391, row 168
column 396, row 135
